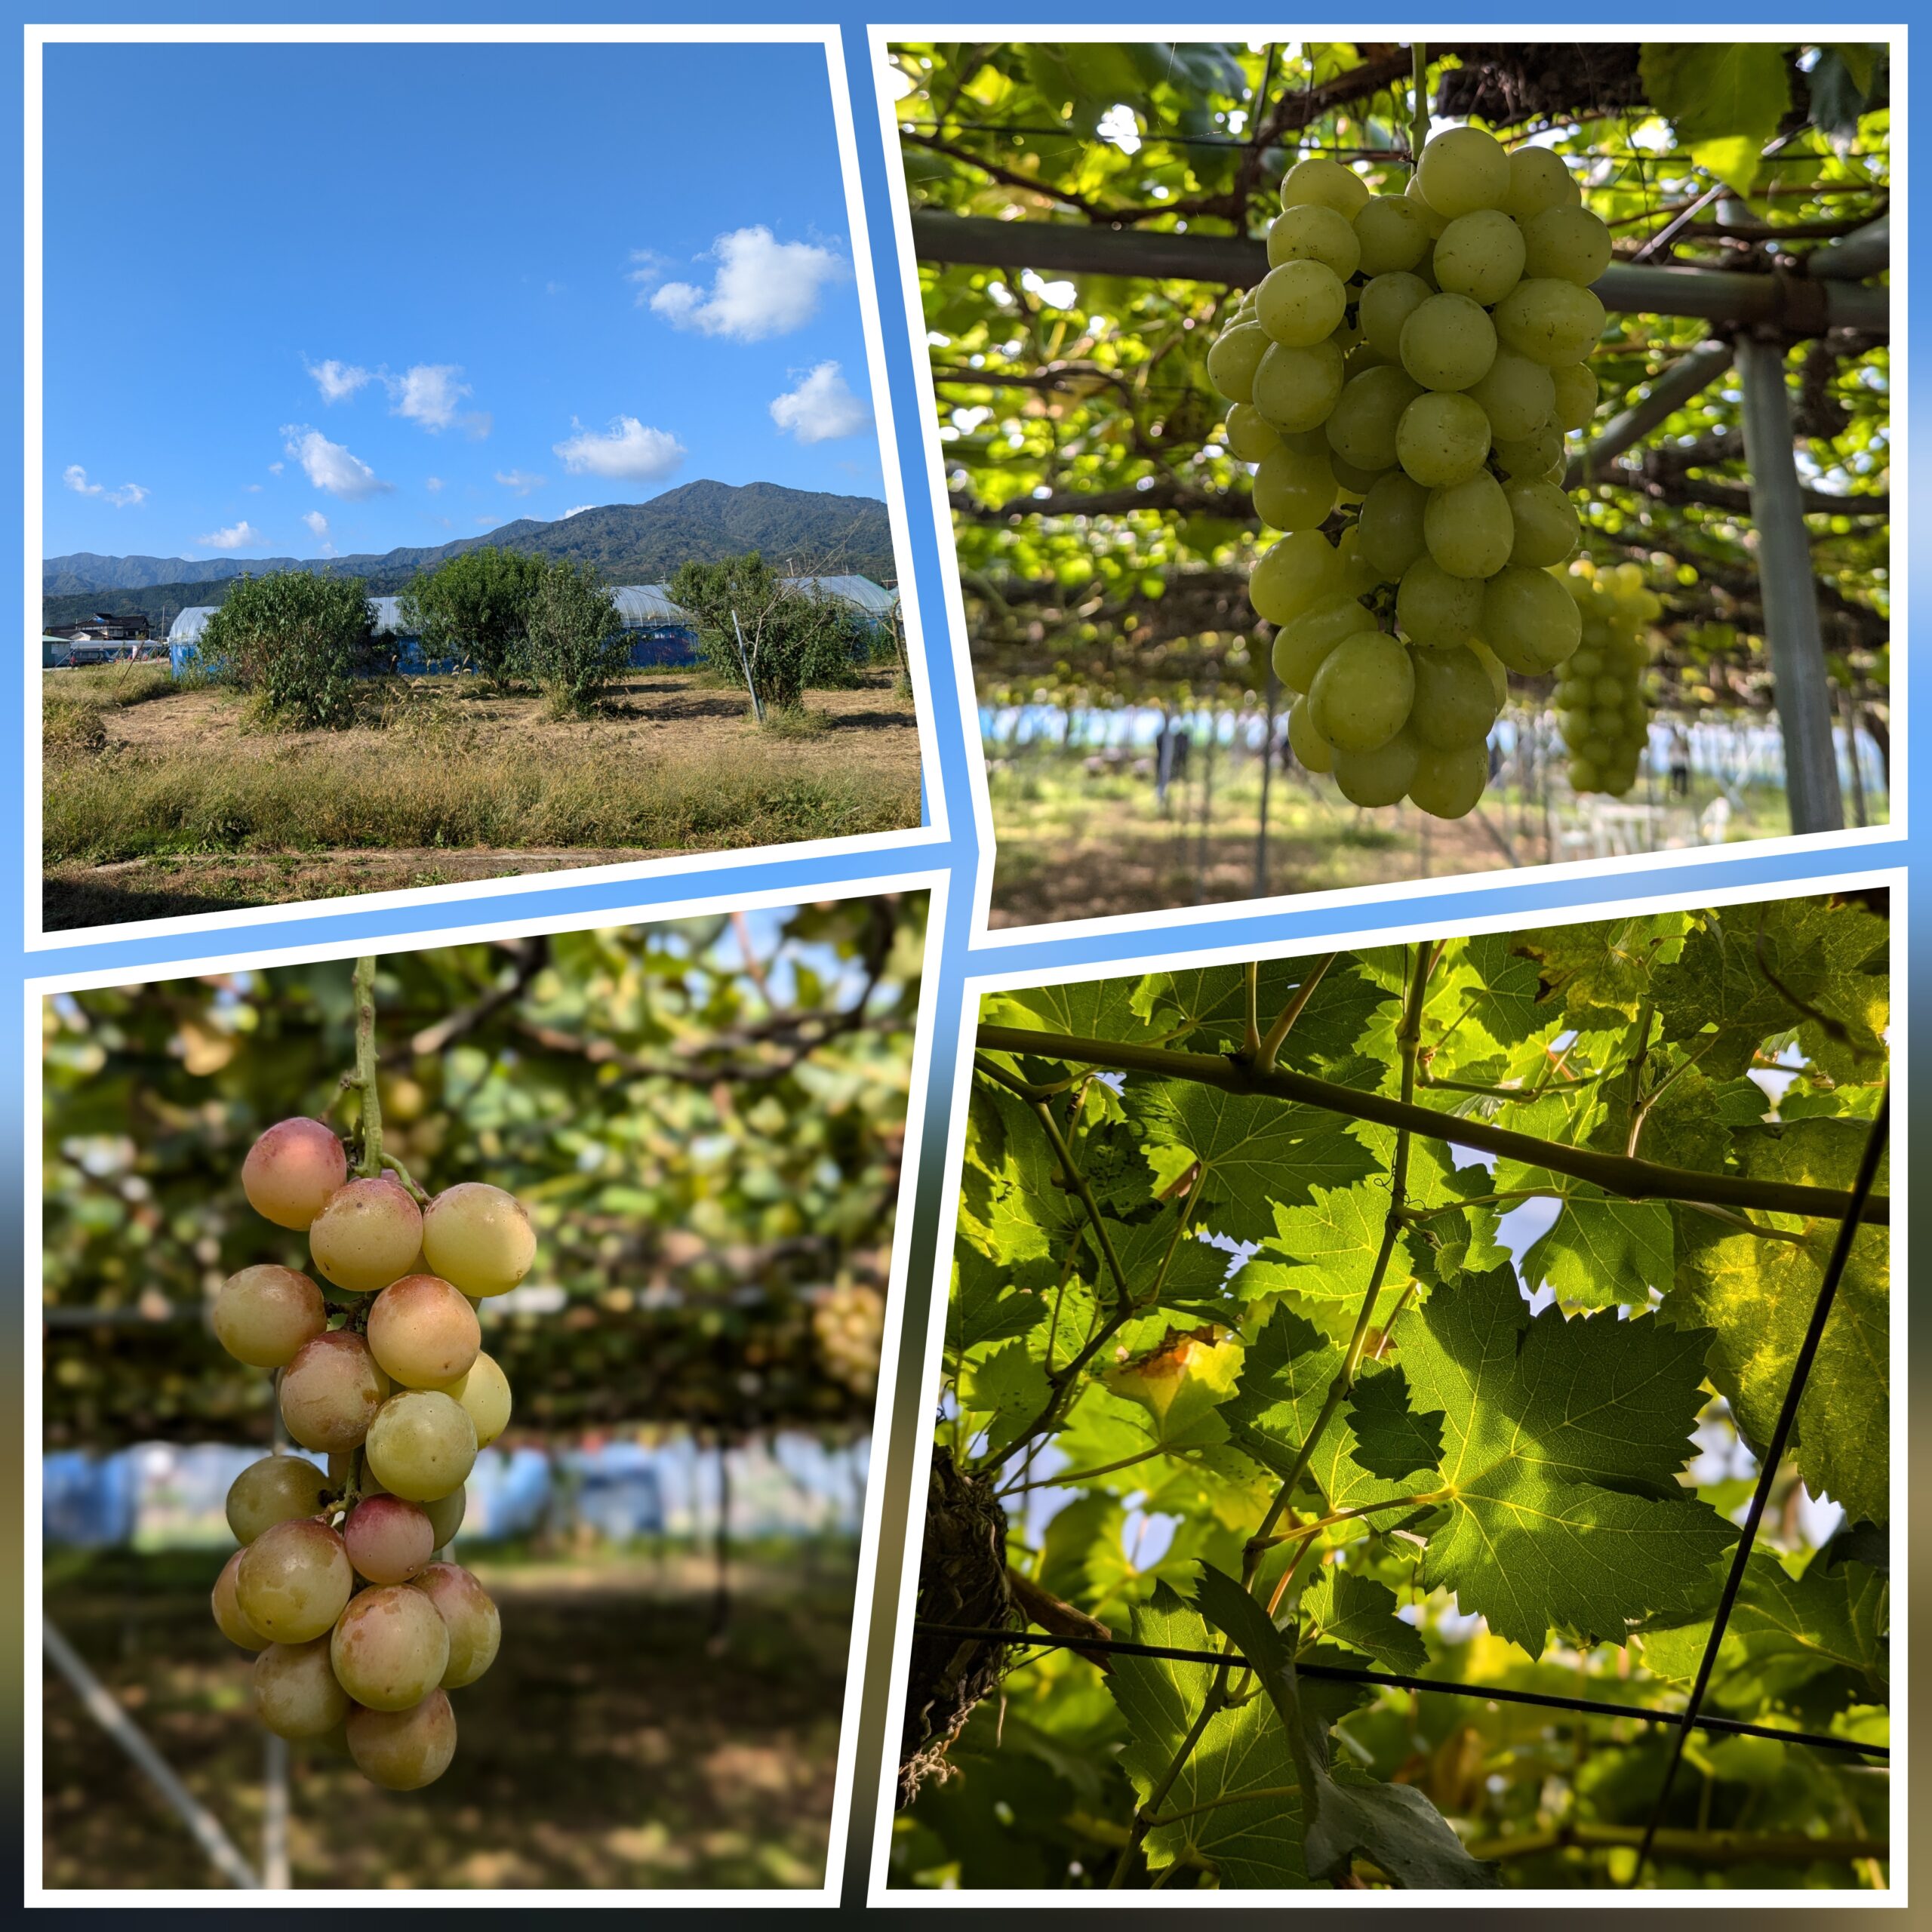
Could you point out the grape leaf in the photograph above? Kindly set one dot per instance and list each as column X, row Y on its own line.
column 1284, row 1379
column 1719, row 984
column 983, row 1308
column 1091, row 1009
column 1602, row 968
column 1725, row 101
column 1346, row 1608
column 1331, row 1242
column 1601, row 1251
column 1391, row 1440
column 1008, row 1386
column 1562, row 1443
column 1501, row 997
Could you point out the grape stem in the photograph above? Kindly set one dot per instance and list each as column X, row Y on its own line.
column 1418, row 102
column 417, row 1193
column 369, row 1126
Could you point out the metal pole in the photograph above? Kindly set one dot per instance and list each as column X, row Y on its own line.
column 1689, row 376
column 101, row 1706
column 1267, row 776
column 275, row 1815
column 1790, row 593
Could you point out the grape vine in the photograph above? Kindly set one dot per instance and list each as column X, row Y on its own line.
column 1431, row 1420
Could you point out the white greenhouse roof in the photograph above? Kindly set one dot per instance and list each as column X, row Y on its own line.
column 648, row 603
column 188, row 624
column 861, row 591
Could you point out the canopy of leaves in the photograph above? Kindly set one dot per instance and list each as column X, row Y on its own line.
column 1104, row 532
column 296, row 641
column 707, row 1125
column 754, row 627
column 1441, row 1411
column 475, row 607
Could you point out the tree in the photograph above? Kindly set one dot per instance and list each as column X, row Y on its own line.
column 575, row 644
column 794, row 638
column 1250, row 1350
column 476, row 608
column 297, row 641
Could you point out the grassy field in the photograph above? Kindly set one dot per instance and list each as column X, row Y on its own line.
column 613, row 1743
column 160, row 800
column 1074, row 843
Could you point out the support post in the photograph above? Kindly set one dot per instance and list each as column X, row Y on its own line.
column 1270, row 699
column 1790, row 593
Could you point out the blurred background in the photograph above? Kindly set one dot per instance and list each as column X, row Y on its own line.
column 706, row 1119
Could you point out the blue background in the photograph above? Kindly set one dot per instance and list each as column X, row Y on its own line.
column 1276, row 924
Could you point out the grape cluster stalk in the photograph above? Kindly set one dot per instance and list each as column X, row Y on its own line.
column 341, row 1587
column 1413, row 360
column 1603, row 699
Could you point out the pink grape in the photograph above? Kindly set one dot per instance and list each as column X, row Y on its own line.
column 479, row 1238
column 293, row 1580
column 295, row 1691
column 390, row 1648
column 227, row 1617
column 403, row 1750
column 331, row 1391
column 389, row 1539
column 292, row 1170
column 368, row 1234
column 262, row 1314
column 423, row 1332
column 476, row 1630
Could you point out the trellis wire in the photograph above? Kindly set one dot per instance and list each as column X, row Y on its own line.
column 1397, row 1681
column 1828, row 1289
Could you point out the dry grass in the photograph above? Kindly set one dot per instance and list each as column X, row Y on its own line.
column 672, row 766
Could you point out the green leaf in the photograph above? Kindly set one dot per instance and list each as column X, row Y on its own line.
column 983, row 1308
column 1562, row 1441
column 1181, row 1385
column 1346, row 1608
column 1725, row 100
column 1331, row 1242
column 1092, row 1009
column 1391, row 1439
column 1009, row 1387
column 1284, row 1379
column 1393, row 1825
column 1601, row 1251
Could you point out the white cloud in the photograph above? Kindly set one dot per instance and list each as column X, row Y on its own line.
column 628, row 452
column 75, row 479
column 337, row 381
column 521, row 480
column 275, row 469
column 242, row 536
column 576, row 510
column 318, row 524
column 434, row 483
column 822, row 408
column 331, row 467
column 428, row 393
column 763, row 287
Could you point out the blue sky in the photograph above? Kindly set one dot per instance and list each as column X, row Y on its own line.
column 326, row 300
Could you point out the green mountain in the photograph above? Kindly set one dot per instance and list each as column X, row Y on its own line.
column 810, row 531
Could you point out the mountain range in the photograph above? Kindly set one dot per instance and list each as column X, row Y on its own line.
column 702, row 522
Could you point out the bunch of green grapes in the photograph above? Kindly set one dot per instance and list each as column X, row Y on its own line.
column 1414, row 359
column 342, row 1584
column 1602, row 705
column 848, row 1322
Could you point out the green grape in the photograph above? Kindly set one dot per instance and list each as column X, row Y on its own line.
column 227, row 1617
column 1606, row 718
column 1449, row 341
column 391, row 1648
column 291, row 1171
column 1361, row 429
column 1549, row 320
column 1378, row 777
column 292, row 1581
column 1532, row 456
column 1295, row 389
column 1517, row 396
column 1436, row 609
column 422, row 1332
column 1250, row 436
column 475, row 1628
column 262, row 1314
column 1442, row 438
column 1462, row 170
column 1546, row 527
column 368, row 1233
column 445, row 1515
column 1362, row 692
column 1585, row 775
column 1298, row 570
column 331, row 1390
column 421, row 1444
column 403, row 1750
column 1529, row 621
column 1568, row 244
column 1576, row 399
column 484, row 1392
column 1467, row 527
column 295, row 1692
column 1313, row 233
column 478, row 1237
column 1311, row 750
column 1481, row 256
column 1294, row 485
column 1392, row 234
column 1301, row 646
column 1322, row 181
column 1499, row 678
column 1233, row 358
column 1538, row 179
column 1385, row 305
column 388, row 1539
column 1450, row 784
column 1300, row 303
column 1359, row 576
column 1389, row 531
column 1456, row 702
column 1358, row 482
column 276, row 1490
column 1433, row 222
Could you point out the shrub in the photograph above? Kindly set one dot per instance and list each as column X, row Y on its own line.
column 575, row 645
column 793, row 640
column 296, row 642
column 476, row 608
